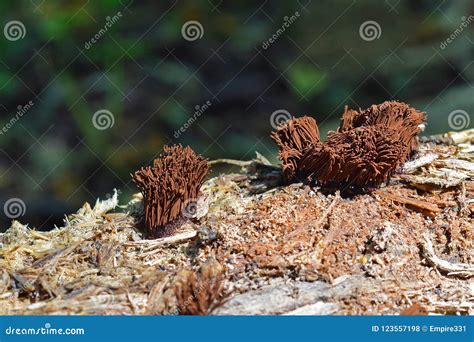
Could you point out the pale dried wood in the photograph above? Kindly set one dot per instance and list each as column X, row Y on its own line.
column 443, row 265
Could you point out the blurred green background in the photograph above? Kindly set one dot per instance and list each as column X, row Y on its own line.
column 133, row 64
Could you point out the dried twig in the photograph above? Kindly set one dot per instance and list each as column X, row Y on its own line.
column 241, row 163
column 413, row 165
column 466, row 270
column 170, row 240
column 423, row 206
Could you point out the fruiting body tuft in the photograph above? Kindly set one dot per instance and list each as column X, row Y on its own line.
column 365, row 151
column 395, row 115
column 293, row 138
column 168, row 186
column 362, row 157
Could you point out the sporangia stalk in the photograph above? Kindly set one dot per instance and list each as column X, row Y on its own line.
column 171, row 184
column 395, row 115
column 293, row 138
column 365, row 151
column 361, row 157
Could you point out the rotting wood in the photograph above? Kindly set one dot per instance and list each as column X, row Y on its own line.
column 417, row 204
column 462, row 270
column 262, row 232
column 170, row 240
column 286, row 298
column 451, row 138
column 413, row 165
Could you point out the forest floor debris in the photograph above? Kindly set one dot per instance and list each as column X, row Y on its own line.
column 263, row 249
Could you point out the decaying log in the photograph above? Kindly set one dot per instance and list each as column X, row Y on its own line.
column 284, row 248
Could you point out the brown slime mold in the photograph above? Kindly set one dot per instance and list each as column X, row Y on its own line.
column 361, row 157
column 169, row 186
column 293, row 138
column 391, row 114
column 365, row 151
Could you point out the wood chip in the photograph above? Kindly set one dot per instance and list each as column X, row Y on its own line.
column 416, row 204
column 443, row 265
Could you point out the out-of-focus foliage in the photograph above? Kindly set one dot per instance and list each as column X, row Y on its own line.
column 151, row 79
